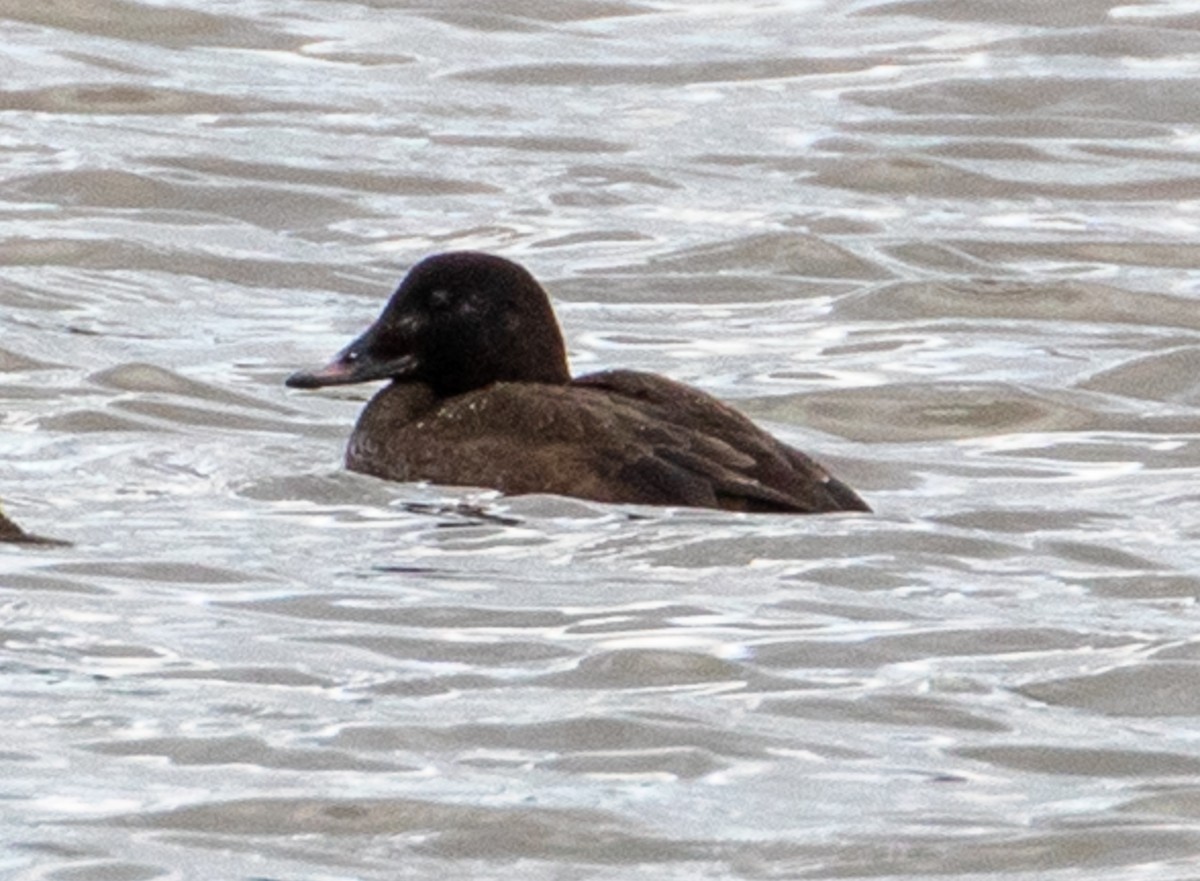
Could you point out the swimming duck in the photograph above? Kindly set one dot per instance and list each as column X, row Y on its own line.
column 11, row 533
column 481, row 395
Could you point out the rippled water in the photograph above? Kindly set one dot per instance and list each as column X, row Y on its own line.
column 950, row 248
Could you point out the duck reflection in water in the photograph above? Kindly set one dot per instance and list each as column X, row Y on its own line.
column 481, row 395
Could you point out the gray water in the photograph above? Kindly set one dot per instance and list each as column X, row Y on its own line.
column 950, row 248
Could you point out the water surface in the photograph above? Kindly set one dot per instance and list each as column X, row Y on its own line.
column 949, row 248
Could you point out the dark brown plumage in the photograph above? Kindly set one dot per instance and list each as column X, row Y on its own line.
column 481, row 396
column 11, row 533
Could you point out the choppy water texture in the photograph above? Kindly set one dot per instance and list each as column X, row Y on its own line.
column 948, row 247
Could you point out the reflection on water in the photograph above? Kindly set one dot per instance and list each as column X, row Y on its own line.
column 948, row 247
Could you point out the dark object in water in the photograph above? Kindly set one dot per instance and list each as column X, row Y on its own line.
column 480, row 395
column 14, row 534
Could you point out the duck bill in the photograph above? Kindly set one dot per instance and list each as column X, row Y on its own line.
column 355, row 363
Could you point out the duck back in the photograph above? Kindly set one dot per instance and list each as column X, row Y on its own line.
column 619, row 436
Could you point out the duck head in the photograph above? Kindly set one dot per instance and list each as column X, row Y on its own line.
column 459, row 321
